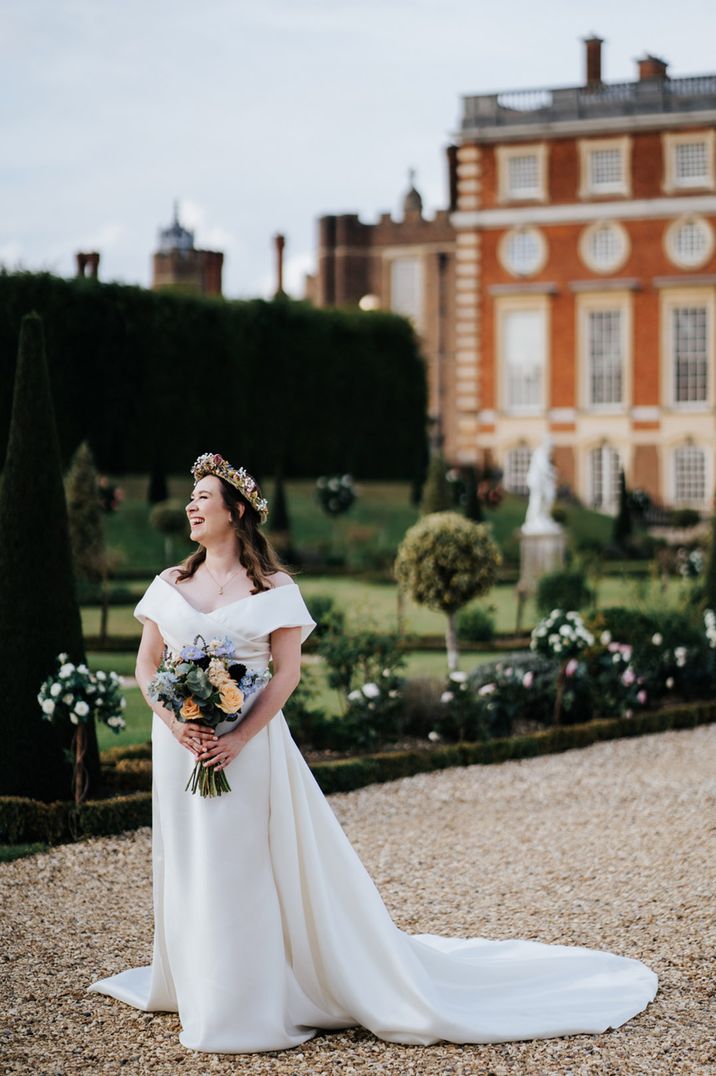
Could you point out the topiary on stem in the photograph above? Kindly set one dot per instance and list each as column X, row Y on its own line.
column 445, row 561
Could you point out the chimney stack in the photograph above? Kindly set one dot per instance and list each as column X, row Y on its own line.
column 88, row 264
column 279, row 243
column 651, row 67
column 593, row 60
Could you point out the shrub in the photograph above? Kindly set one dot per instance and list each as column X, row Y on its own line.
column 526, row 683
column 559, row 514
column 685, row 518
column 358, row 659
column 322, row 608
column 308, row 724
column 564, row 589
column 476, row 624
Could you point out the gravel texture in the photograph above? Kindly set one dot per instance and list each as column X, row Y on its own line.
column 612, row 847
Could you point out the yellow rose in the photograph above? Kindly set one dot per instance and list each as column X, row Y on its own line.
column 232, row 698
column 190, row 710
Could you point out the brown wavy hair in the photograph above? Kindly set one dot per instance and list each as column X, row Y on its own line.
column 256, row 553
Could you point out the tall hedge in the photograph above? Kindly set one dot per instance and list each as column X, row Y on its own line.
column 143, row 375
column 39, row 614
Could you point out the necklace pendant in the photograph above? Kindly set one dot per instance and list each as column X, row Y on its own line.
column 221, row 590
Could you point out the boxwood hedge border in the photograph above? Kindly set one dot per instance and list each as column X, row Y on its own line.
column 26, row 820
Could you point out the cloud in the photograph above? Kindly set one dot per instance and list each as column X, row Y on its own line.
column 10, row 254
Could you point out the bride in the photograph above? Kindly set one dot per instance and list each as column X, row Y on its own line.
column 267, row 926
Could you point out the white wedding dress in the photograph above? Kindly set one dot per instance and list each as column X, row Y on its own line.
column 267, row 926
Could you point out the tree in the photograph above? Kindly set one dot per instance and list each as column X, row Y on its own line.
column 170, row 519
column 623, row 522
column 39, row 612
column 437, row 496
column 445, row 561
column 709, row 597
column 158, row 491
column 473, row 507
column 89, row 553
column 279, row 519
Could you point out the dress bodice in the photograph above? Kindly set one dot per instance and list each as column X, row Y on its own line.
column 248, row 622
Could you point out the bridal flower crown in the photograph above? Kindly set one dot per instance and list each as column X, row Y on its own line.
column 213, row 463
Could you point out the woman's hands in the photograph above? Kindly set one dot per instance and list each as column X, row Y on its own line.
column 195, row 737
column 224, row 751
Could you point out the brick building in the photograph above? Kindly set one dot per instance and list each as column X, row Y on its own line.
column 586, row 282
column 580, row 290
column 405, row 265
column 178, row 265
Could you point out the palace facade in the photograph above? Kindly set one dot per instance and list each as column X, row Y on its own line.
column 580, row 295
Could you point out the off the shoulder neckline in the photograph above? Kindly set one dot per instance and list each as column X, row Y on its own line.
column 227, row 605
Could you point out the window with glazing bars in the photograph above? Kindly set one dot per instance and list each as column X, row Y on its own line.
column 605, row 468
column 691, row 163
column 604, row 350
column 524, row 358
column 518, row 463
column 523, row 174
column 689, row 474
column 606, row 168
column 690, row 344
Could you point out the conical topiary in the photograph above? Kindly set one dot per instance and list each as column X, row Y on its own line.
column 623, row 522
column 437, row 496
column 39, row 614
column 280, row 520
column 473, row 507
column 90, row 556
column 85, row 516
column 158, row 490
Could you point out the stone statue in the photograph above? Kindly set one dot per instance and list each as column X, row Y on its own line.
column 542, row 484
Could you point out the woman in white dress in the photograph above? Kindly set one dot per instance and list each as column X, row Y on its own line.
column 292, row 934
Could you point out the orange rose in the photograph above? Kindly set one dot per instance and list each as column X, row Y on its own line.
column 190, row 710
column 232, row 698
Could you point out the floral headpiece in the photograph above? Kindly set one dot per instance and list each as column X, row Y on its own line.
column 213, row 463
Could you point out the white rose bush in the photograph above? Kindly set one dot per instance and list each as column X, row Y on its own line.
column 76, row 696
column 562, row 636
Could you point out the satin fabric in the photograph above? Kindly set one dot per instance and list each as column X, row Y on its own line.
column 295, row 936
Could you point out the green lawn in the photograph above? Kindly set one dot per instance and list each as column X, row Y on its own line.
column 375, row 604
column 376, row 522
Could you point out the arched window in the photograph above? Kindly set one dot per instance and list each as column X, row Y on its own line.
column 690, row 475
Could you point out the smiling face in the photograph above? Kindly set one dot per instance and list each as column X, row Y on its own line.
column 208, row 514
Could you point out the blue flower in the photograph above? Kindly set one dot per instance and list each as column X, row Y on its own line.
column 222, row 648
column 191, row 653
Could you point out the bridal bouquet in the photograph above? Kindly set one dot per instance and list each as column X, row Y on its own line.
column 207, row 684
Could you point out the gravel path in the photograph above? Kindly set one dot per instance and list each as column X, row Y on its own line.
column 612, row 847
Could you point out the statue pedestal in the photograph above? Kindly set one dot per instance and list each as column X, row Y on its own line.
column 539, row 554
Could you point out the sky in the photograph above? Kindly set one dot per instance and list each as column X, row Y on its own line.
column 260, row 117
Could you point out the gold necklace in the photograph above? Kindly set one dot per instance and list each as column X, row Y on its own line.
column 221, row 586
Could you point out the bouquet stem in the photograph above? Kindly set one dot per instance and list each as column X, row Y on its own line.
column 206, row 781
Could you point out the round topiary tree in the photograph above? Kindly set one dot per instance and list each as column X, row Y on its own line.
column 443, row 562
